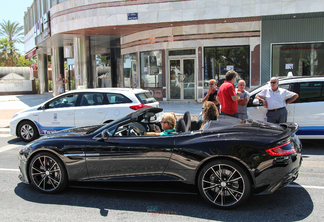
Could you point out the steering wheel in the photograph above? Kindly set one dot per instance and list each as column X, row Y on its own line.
column 134, row 132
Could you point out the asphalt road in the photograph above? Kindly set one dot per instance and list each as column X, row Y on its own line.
column 301, row 201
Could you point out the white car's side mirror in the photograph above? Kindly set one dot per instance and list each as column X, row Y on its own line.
column 256, row 102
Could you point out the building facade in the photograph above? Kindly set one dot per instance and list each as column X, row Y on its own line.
column 173, row 47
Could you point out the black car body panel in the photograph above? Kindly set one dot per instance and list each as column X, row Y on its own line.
column 181, row 157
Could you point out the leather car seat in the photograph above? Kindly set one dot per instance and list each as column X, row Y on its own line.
column 187, row 121
column 181, row 126
column 96, row 100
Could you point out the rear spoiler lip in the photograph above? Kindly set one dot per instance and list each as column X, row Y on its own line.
column 288, row 133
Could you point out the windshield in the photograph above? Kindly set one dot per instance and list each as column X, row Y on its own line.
column 111, row 123
column 267, row 83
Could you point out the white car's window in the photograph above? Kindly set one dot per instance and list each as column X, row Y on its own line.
column 117, row 98
column 285, row 86
column 64, row 101
column 311, row 92
column 146, row 98
column 92, row 99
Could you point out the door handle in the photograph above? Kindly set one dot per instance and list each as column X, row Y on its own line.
column 100, row 111
column 69, row 113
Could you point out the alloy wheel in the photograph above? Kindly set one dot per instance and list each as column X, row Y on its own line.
column 27, row 132
column 46, row 173
column 223, row 185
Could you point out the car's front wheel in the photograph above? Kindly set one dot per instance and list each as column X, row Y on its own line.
column 27, row 131
column 224, row 184
column 47, row 173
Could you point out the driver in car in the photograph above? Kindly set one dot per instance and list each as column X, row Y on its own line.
column 168, row 124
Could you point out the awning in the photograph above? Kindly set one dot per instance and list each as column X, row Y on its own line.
column 31, row 53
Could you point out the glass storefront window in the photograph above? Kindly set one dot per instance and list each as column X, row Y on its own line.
column 182, row 52
column 130, row 70
column 151, row 69
column 103, row 70
column 305, row 59
column 218, row 60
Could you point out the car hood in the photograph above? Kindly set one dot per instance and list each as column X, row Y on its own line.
column 33, row 108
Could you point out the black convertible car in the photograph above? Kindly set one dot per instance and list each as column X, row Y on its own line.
column 226, row 162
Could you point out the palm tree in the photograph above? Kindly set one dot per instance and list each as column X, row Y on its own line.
column 8, row 53
column 12, row 31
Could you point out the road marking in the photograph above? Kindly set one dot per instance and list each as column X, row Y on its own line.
column 9, row 147
column 304, row 186
column 4, row 169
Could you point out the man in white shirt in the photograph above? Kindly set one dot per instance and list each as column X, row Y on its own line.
column 275, row 100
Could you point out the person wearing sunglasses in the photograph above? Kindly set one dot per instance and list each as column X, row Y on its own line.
column 211, row 93
column 276, row 99
column 168, row 124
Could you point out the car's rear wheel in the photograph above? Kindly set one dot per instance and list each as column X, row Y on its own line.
column 27, row 131
column 47, row 173
column 224, row 184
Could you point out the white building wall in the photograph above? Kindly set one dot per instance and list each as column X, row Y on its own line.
column 172, row 11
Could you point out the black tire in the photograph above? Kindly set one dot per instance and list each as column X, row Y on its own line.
column 27, row 131
column 47, row 173
column 224, row 184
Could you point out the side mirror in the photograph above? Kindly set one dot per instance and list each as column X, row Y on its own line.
column 104, row 135
column 41, row 107
column 256, row 102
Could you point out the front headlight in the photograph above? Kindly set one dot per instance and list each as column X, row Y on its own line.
column 14, row 115
column 25, row 149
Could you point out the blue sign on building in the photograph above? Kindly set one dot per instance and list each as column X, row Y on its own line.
column 132, row 16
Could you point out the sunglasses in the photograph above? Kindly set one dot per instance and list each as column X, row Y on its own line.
column 273, row 82
column 211, row 84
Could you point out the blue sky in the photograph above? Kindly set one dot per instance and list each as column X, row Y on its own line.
column 13, row 10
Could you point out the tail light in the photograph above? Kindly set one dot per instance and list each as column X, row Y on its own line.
column 137, row 107
column 282, row 150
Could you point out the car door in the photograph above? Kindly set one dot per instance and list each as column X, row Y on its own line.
column 91, row 110
column 134, row 158
column 309, row 112
column 57, row 114
column 258, row 112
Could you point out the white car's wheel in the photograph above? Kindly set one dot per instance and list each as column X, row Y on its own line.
column 27, row 131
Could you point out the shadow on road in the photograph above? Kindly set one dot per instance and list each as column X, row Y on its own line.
column 287, row 204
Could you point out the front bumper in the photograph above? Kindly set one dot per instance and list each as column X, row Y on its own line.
column 22, row 168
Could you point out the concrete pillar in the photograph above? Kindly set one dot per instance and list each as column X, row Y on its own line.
column 57, row 66
column 42, row 73
column 94, row 71
column 82, row 62
column 116, row 66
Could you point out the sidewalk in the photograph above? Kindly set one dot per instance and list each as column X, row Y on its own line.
column 9, row 105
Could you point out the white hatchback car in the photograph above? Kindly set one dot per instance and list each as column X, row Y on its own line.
column 79, row 108
column 307, row 111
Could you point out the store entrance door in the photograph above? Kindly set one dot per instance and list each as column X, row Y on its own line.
column 182, row 83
